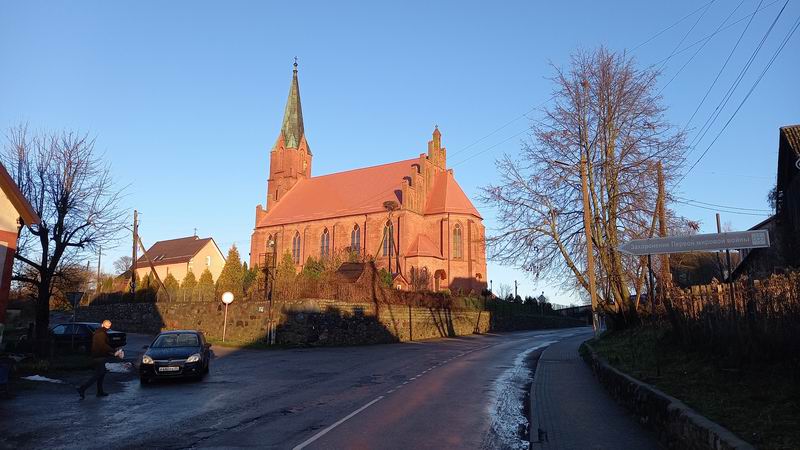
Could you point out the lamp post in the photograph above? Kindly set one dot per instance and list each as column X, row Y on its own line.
column 227, row 299
column 587, row 226
column 270, row 269
column 391, row 206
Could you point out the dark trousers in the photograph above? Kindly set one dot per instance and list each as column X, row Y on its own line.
column 99, row 365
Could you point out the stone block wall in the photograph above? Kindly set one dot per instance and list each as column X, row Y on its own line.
column 301, row 322
column 677, row 425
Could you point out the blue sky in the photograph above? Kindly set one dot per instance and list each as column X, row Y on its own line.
column 186, row 98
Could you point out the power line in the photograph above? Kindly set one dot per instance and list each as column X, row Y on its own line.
column 752, row 88
column 691, row 58
column 489, row 148
column 723, row 206
column 724, row 65
column 671, row 26
column 729, row 93
column 687, row 34
column 725, row 211
column 700, row 41
column 525, row 114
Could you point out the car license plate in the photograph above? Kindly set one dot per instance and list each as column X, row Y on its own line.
column 169, row 369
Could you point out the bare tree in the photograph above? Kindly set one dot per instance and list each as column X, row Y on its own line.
column 123, row 264
column 72, row 191
column 504, row 290
column 606, row 109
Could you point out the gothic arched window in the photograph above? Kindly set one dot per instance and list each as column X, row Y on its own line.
column 388, row 238
column 458, row 251
column 325, row 244
column 296, row 248
column 355, row 240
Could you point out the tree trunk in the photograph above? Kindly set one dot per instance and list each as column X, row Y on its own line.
column 42, row 325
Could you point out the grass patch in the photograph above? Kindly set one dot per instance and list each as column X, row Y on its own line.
column 42, row 366
column 257, row 345
column 760, row 404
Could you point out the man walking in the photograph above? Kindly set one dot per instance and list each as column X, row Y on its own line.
column 101, row 352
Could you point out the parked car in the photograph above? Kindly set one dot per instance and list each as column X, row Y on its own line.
column 175, row 354
column 78, row 336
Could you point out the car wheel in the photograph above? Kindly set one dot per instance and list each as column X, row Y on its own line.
column 144, row 381
column 205, row 369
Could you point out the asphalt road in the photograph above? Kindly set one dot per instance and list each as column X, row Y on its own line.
column 450, row 393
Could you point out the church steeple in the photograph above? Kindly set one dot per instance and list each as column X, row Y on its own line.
column 290, row 158
column 292, row 129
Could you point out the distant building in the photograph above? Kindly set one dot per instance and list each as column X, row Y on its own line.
column 784, row 250
column 434, row 229
column 15, row 211
column 181, row 256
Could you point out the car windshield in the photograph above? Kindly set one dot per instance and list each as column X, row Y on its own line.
column 93, row 326
column 176, row 340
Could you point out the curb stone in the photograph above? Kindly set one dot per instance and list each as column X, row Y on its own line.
column 677, row 425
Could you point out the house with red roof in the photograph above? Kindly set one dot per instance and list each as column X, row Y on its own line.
column 15, row 211
column 409, row 215
column 181, row 256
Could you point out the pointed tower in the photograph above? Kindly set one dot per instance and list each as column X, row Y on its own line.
column 290, row 158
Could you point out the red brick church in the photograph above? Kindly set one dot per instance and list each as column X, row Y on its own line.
column 410, row 215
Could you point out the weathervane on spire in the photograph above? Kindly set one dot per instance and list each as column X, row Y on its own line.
column 295, row 63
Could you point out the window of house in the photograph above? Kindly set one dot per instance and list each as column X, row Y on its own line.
column 208, row 261
column 388, row 238
column 458, row 251
column 325, row 244
column 296, row 248
column 355, row 240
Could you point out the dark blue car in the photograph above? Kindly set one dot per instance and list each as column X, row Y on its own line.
column 175, row 354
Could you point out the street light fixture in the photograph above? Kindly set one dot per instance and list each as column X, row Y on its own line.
column 227, row 298
column 270, row 263
column 391, row 206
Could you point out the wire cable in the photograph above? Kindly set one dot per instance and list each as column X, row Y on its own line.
column 755, row 84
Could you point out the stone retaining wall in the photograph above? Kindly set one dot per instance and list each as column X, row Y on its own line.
column 677, row 425
column 313, row 321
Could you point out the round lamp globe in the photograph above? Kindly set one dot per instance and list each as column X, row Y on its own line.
column 227, row 298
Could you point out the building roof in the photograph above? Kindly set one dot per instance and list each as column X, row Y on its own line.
column 292, row 129
column 423, row 246
column 174, row 251
column 20, row 203
column 447, row 197
column 353, row 192
column 792, row 134
column 363, row 191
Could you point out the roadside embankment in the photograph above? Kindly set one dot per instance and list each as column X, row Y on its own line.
column 718, row 405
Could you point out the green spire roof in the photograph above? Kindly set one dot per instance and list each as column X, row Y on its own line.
column 292, row 127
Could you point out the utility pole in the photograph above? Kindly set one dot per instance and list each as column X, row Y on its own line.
column 133, row 255
column 99, row 256
column 587, row 225
column 666, row 273
column 730, row 272
column 515, row 290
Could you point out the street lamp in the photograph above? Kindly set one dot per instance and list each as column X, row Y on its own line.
column 587, row 226
column 390, row 206
column 270, row 272
column 227, row 298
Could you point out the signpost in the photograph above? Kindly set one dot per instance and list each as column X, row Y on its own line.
column 698, row 242
column 74, row 299
column 227, row 298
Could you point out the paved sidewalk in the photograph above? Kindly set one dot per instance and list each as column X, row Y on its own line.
column 575, row 410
